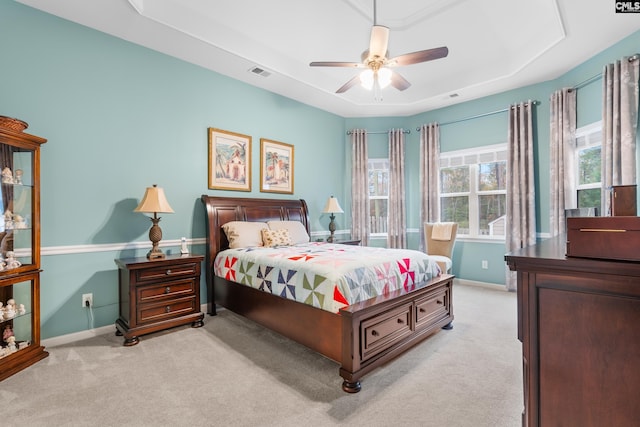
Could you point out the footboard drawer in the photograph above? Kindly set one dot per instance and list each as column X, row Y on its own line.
column 384, row 330
column 432, row 308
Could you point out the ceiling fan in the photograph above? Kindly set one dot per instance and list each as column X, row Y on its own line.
column 377, row 66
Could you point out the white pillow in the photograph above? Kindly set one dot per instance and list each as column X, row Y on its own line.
column 296, row 230
column 244, row 234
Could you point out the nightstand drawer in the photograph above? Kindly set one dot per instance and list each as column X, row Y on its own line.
column 163, row 272
column 171, row 309
column 167, row 290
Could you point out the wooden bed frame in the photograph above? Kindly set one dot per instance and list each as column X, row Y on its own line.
column 361, row 337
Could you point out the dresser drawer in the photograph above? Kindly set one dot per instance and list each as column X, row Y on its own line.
column 383, row 330
column 158, row 312
column 163, row 272
column 166, row 290
column 432, row 308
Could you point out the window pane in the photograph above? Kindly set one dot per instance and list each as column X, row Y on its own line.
column 456, row 209
column 492, row 176
column 589, row 198
column 589, row 166
column 378, row 219
column 378, row 182
column 492, row 214
column 454, row 180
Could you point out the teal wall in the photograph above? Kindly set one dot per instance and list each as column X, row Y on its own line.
column 119, row 117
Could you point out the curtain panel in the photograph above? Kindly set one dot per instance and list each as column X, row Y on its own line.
column 619, row 125
column 397, row 227
column 429, row 176
column 521, row 212
column 359, row 187
column 562, row 167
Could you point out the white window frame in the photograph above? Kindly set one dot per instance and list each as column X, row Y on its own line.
column 370, row 162
column 472, row 157
column 585, row 132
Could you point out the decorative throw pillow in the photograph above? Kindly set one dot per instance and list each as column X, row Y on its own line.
column 297, row 231
column 244, row 234
column 272, row 238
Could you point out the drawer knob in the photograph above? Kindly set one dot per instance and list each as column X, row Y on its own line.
column 422, row 310
column 374, row 333
column 168, row 309
column 167, row 289
column 439, row 302
column 400, row 321
column 168, row 272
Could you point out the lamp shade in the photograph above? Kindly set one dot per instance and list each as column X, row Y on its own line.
column 153, row 201
column 332, row 206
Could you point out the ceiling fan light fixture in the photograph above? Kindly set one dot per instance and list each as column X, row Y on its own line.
column 384, row 77
column 366, row 79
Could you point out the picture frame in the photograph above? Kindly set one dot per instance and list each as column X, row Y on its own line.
column 276, row 167
column 229, row 160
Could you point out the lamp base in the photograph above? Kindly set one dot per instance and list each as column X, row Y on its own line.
column 155, row 235
column 332, row 228
column 155, row 253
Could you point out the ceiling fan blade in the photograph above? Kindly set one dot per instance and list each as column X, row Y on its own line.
column 419, row 56
column 335, row 64
column 348, row 85
column 399, row 82
column 379, row 41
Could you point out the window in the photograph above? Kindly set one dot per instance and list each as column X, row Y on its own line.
column 588, row 166
column 378, row 195
column 473, row 190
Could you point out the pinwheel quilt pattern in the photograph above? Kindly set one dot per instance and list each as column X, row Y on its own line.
column 325, row 275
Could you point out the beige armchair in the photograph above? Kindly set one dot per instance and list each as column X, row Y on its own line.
column 440, row 244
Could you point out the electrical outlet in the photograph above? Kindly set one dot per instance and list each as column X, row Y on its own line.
column 87, row 298
column 485, row 264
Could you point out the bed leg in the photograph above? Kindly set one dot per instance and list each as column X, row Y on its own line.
column 448, row 326
column 351, row 387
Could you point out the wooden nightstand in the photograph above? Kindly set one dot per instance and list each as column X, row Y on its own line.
column 158, row 294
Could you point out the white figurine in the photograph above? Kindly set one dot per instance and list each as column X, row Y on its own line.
column 18, row 221
column 12, row 262
column 9, row 312
column 18, row 177
column 7, row 176
column 21, row 309
column 11, row 344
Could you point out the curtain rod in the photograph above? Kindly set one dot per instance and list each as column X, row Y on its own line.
column 478, row 116
column 599, row 75
column 349, row 132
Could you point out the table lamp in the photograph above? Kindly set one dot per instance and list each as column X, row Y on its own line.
column 332, row 207
column 154, row 201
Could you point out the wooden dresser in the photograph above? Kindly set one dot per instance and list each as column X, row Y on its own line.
column 579, row 323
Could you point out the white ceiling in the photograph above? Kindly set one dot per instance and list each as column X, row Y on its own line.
column 494, row 45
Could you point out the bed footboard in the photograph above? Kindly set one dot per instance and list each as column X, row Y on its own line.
column 380, row 329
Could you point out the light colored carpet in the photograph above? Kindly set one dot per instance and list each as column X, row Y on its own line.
column 232, row 372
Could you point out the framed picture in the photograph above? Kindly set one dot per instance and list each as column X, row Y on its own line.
column 229, row 160
column 276, row 167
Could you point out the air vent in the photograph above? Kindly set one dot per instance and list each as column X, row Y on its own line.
column 259, row 71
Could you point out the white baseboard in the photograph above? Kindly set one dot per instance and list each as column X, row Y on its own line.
column 89, row 333
column 494, row 286
column 78, row 336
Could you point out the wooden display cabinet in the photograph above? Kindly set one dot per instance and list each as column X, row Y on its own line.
column 19, row 247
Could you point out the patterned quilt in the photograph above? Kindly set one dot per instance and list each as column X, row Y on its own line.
column 324, row 275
